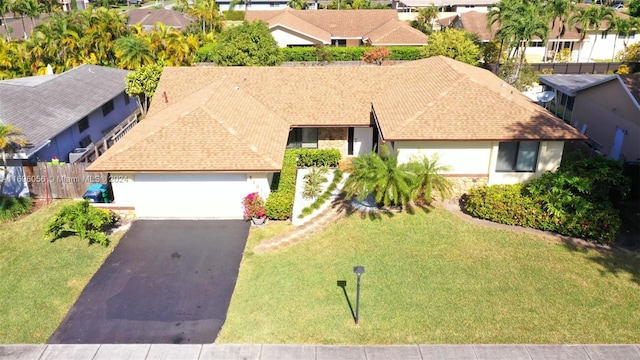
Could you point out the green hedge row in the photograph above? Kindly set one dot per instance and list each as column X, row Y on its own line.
column 309, row 53
column 318, row 157
column 280, row 201
column 508, row 204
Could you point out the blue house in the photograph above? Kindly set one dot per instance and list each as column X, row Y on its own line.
column 61, row 114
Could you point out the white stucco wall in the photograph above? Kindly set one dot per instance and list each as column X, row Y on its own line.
column 190, row 196
column 285, row 37
column 477, row 158
column 464, row 157
column 549, row 157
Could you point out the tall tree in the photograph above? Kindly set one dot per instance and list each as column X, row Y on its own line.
column 18, row 8
column 249, row 44
column 142, row 84
column 559, row 11
column 455, row 44
column 5, row 6
column 601, row 19
column 11, row 139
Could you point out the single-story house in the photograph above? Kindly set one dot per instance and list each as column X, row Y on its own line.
column 214, row 134
column 604, row 107
column 338, row 28
column 148, row 17
column 59, row 113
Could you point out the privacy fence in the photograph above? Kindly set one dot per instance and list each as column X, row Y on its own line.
column 60, row 181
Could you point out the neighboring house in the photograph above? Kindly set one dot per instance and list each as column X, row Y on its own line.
column 16, row 28
column 606, row 45
column 59, row 113
column 67, row 5
column 338, row 27
column 148, row 17
column 604, row 107
column 219, row 133
column 445, row 6
column 223, row 5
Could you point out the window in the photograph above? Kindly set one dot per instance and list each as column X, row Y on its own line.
column 350, row 137
column 338, row 42
column 303, row 138
column 604, row 35
column 517, row 156
column 107, row 108
column 83, row 124
column 86, row 141
column 632, row 34
column 127, row 100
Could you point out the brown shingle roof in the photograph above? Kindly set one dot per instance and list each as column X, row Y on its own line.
column 476, row 23
column 345, row 24
column 150, row 16
column 237, row 118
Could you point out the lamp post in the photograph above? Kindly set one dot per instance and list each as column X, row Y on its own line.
column 358, row 270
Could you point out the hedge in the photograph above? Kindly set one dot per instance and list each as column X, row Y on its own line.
column 308, row 53
column 506, row 204
column 280, row 201
column 318, row 157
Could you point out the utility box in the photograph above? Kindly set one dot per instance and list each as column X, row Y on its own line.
column 97, row 193
column 76, row 154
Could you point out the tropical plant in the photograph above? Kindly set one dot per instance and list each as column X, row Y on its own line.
column 133, row 52
column 298, row 4
column 424, row 19
column 82, row 219
column 559, row 11
column 11, row 139
column 142, row 84
column 208, row 15
column 630, row 54
column 455, row 44
column 13, row 207
column 254, row 206
column 313, row 181
column 380, row 175
column 429, row 178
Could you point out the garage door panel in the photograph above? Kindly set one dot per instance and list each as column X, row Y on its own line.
column 195, row 196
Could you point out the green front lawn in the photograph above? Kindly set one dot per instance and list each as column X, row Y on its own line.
column 433, row 278
column 40, row 280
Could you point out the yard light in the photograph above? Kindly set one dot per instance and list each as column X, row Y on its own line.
column 359, row 270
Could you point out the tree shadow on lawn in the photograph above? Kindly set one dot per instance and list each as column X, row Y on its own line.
column 612, row 259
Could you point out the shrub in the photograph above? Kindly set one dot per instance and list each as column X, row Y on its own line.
column 377, row 55
column 280, row 201
column 83, row 220
column 317, row 157
column 405, row 53
column 573, row 201
column 13, row 207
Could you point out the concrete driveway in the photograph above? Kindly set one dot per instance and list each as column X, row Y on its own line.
column 167, row 281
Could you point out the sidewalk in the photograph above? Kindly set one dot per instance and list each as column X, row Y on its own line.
column 319, row 352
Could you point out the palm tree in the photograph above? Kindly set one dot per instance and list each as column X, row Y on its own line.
column 133, row 52
column 600, row 15
column 581, row 17
column 11, row 139
column 429, row 178
column 235, row 3
column 381, row 176
column 559, row 10
column 18, row 8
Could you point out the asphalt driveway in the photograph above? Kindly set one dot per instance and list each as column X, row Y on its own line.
column 167, row 281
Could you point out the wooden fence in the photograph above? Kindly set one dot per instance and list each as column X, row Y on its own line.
column 60, row 181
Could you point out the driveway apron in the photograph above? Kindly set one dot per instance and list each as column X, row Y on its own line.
column 167, row 281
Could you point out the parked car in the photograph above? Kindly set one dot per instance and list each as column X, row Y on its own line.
column 618, row 7
column 135, row 2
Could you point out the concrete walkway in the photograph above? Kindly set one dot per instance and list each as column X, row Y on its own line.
column 319, row 352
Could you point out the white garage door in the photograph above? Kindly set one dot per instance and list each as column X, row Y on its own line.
column 190, row 196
